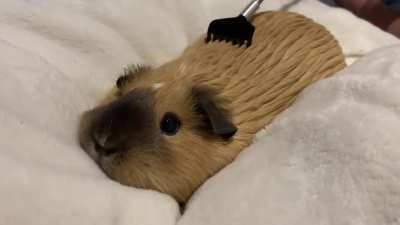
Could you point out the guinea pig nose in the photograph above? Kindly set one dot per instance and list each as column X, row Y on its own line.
column 101, row 146
column 99, row 138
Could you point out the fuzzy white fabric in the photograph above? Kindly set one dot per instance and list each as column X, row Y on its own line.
column 58, row 57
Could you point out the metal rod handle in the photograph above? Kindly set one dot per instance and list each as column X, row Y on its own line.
column 251, row 9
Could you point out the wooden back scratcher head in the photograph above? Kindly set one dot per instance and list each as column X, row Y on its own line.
column 289, row 52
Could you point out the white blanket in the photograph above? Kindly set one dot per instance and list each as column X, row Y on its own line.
column 330, row 159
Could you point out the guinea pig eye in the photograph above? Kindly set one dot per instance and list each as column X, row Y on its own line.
column 170, row 124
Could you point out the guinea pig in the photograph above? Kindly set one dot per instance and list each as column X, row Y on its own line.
column 172, row 127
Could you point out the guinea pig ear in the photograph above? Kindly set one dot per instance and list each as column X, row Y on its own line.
column 130, row 73
column 215, row 117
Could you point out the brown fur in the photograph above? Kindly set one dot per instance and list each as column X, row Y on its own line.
column 253, row 85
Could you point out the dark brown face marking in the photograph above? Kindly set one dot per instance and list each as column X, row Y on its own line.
column 126, row 123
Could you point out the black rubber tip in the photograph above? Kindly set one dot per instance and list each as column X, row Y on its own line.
column 237, row 30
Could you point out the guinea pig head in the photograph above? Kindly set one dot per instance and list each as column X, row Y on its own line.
column 160, row 134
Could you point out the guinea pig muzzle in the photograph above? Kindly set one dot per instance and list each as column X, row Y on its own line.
column 118, row 126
